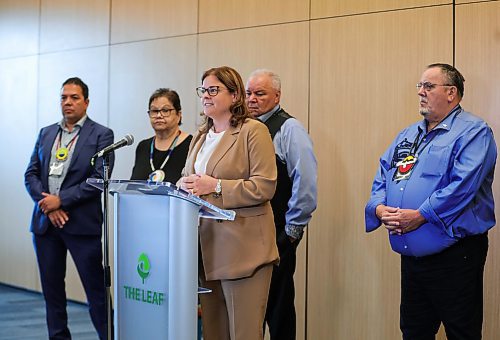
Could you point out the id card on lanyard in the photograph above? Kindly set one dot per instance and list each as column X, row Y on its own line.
column 62, row 153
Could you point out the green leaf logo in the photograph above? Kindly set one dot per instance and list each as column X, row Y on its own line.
column 143, row 266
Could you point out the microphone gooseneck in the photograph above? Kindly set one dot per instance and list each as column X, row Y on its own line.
column 125, row 141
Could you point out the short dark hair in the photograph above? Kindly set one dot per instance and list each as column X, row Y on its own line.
column 232, row 80
column 77, row 81
column 454, row 77
column 171, row 95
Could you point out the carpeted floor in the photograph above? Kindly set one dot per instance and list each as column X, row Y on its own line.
column 22, row 316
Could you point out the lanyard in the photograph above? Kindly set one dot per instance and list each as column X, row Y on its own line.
column 169, row 151
column 417, row 142
column 70, row 143
column 62, row 152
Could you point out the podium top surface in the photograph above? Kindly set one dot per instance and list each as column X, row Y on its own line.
column 207, row 210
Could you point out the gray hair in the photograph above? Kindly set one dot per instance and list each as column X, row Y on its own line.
column 275, row 78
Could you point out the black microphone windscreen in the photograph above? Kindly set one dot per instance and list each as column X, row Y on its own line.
column 129, row 138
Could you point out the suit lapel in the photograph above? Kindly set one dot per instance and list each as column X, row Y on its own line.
column 226, row 142
column 194, row 152
column 47, row 143
column 85, row 132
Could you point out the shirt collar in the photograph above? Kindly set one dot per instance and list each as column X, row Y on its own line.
column 80, row 123
column 265, row 116
column 446, row 123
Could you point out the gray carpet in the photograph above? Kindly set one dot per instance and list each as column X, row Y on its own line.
column 22, row 316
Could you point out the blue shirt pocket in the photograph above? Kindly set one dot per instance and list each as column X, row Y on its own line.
column 435, row 160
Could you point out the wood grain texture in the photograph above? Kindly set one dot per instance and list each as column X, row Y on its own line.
column 327, row 8
column 216, row 15
column 363, row 75
column 477, row 51
column 133, row 20
column 72, row 24
column 264, row 47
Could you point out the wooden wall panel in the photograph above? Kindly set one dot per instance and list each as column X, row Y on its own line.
column 18, row 131
column 18, row 28
column 461, row 2
column 266, row 48
column 137, row 70
column 327, row 8
column 70, row 24
column 216, row 15
column 133, row 20
column 477, row 54
column 300, row 280
column 363, row 75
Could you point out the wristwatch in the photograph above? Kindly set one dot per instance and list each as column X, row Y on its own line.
column 218, row 188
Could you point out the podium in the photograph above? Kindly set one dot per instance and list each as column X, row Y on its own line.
column 156, row 258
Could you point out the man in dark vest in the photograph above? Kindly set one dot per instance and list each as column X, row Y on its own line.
column 295, row 198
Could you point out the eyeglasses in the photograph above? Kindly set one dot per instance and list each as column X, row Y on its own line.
column 429, row 86
column 163, row 113
column 212, row 91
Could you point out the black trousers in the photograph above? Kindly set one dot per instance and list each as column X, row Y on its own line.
column 51, row 250
column 280, row 312
column 444, row 288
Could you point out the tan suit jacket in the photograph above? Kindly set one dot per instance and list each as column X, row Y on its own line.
column 245, row 162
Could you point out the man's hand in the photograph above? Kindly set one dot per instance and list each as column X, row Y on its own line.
column 400, row 221
column 384, row 210
column 58, row 218
column 49, row 203
column 384, row 213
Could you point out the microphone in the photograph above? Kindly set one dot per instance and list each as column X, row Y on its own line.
column 127, row 140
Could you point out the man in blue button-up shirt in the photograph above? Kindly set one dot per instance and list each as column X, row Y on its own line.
column 433, row 194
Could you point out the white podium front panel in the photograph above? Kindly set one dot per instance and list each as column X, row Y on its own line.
column 155, row 275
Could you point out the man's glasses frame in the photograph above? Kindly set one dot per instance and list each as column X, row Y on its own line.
column 428, row 86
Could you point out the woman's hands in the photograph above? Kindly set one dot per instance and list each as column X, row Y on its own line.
column 198, row 184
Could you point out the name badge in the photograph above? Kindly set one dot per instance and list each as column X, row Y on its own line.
column 56, row 169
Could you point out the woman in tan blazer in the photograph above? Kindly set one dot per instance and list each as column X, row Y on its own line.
column 231, row 164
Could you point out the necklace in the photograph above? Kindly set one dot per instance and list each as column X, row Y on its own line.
column 158, row 175
column 62, row 152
